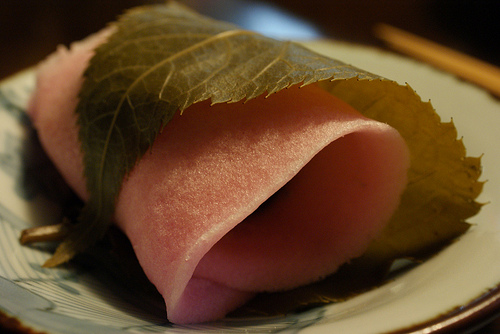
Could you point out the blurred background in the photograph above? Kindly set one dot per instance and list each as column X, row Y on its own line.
column 31, row 29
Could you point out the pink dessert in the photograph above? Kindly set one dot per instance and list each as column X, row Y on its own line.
column 240, row 198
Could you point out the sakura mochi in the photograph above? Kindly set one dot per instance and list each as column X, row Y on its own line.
column 239, row 198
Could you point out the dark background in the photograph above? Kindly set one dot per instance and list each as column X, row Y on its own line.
column 31, row 29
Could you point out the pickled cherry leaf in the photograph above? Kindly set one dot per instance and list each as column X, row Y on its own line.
column 442, row 181
column 160, row 60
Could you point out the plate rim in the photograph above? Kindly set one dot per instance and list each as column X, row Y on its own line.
column 472, row 316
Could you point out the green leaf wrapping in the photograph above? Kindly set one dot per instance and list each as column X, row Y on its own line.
column 442, row 181
column 162, row 59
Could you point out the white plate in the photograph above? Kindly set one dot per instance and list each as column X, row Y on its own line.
column 458, row 287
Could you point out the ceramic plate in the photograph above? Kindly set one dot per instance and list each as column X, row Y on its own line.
column 459, row 287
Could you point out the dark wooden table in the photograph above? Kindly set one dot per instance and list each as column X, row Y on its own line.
column 31, row 29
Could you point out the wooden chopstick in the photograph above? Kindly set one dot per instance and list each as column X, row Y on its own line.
column 481, row 73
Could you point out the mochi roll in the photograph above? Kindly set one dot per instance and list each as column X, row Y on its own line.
column 239, row 198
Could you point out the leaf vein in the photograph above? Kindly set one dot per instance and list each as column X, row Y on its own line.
column 224, row 34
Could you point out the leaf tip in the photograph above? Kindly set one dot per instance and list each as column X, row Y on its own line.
column 57, row 259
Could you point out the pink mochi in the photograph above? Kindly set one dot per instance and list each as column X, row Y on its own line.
column 236, row 199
